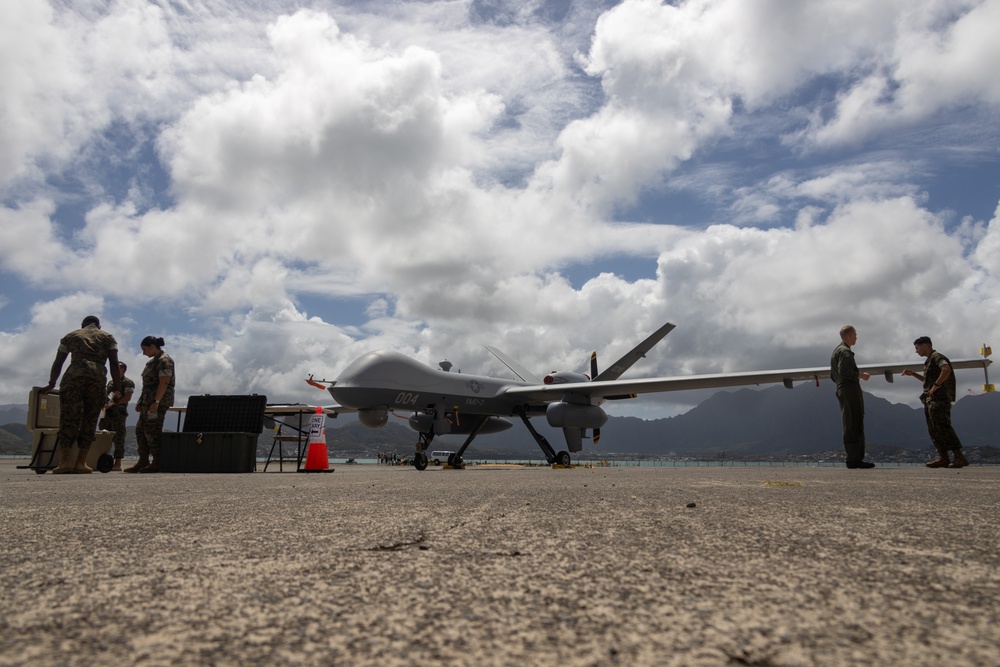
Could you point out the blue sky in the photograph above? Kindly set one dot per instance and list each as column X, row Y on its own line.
column 277, row 187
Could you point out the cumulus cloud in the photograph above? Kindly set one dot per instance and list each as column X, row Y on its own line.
column 67, row 75
column 37, row 341
column 446, row 172
column 936, row 59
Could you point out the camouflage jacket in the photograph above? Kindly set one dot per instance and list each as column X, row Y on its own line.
column 89, row 349
column 127, row 386
column 932, row 371
column 159, row 366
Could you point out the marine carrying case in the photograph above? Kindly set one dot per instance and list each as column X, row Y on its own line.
column 219, row 435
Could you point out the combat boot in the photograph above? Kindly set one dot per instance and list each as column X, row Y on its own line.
column 154, row 465
column 960, row 461
column 117, row 467
column 139, row 465
column 81, row 467
column 66, row 462
column 941, row 461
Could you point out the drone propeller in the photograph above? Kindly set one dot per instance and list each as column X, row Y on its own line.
column 593, row 374
column 575, row 410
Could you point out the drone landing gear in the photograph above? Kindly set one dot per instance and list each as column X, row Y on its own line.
column 455, row 460
column 420, row 456
column 562, row 458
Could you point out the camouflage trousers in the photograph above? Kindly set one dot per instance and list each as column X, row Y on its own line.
column 148, row 431
column 81, row 397
column 938, row 416
column 114, row 420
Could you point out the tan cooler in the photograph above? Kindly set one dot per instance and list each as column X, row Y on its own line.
column 43, row 422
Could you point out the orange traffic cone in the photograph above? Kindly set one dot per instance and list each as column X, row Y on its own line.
column 317, row 459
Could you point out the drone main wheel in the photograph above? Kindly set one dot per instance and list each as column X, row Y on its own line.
column 420, row 461
column 562, row 459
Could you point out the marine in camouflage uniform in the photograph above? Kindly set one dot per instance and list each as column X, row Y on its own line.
column 844, row 371
column 940, row 388
column 157, row 397
column 82, row 390
column 116, row 412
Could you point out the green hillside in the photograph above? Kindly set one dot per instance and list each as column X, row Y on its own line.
column 15, row 440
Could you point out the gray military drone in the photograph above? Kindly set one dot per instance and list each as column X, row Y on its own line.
column 444, row 403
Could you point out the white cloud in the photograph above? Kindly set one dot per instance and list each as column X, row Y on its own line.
column 29, row 243
column 769, row 203
column 940, row 58
column 38, row 342
column 36, row 65
column 448, row 175
column 68, row 75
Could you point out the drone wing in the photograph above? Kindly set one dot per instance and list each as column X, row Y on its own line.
column 599, row 389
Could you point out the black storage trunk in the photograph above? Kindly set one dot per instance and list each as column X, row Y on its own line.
column 208, row 452
column 220, row 435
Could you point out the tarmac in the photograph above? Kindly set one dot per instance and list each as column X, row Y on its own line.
column 376, row 565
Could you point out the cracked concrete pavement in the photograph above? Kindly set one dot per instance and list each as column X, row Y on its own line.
column 375, row 565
